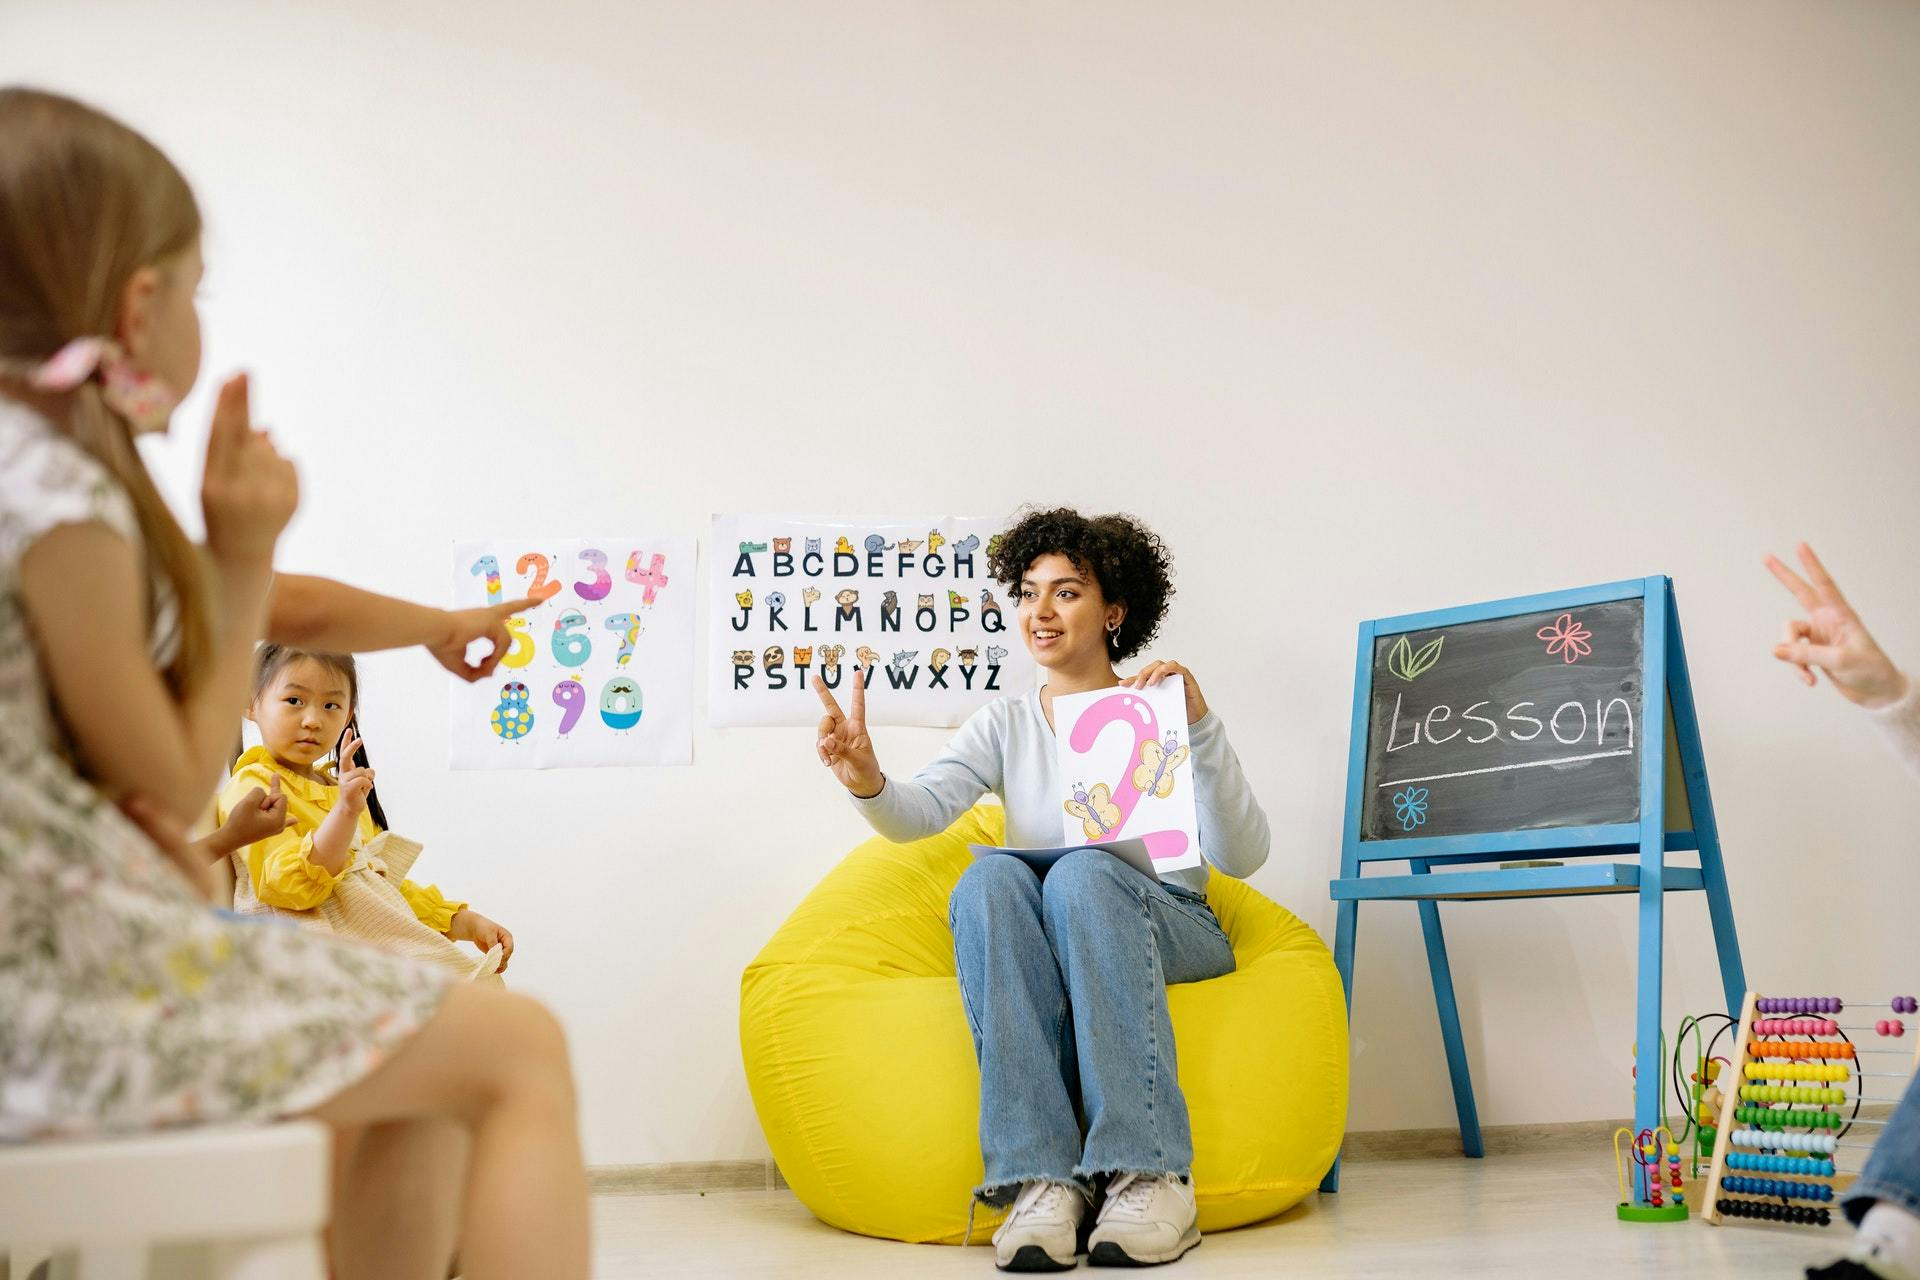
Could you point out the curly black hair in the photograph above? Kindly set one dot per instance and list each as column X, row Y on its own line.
column 1128, row 560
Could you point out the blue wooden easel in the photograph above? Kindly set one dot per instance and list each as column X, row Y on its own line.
column 1665, row 682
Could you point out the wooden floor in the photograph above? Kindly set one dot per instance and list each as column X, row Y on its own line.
column 1537, row 1215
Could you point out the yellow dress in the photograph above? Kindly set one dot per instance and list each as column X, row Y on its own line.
column 368, row 900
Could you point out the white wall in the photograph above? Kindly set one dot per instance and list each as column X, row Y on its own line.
column 1381, row 307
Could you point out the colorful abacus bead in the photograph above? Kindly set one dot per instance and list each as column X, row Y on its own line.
column 1890, row 1027
column 1801, row 1215
column 1906, row 1004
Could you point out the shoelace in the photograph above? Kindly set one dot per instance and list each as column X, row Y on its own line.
column 1130, row 1195
column 1039, row 1198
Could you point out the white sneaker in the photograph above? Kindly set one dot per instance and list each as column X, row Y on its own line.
column 1147, row 1220
column 1042, row 1230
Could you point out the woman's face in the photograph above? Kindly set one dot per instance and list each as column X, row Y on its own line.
column 1063, row 616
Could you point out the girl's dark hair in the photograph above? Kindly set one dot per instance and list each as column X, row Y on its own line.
column 1127, row 559
column 269, row 660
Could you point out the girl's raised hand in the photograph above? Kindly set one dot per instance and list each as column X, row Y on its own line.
column 1154, row 672
column 356, row 783
column 1832, row 638
column 843, row 744
column 248, row 491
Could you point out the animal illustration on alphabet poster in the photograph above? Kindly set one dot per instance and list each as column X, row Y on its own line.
column 1124, row 766
column 598, row 672
column 790, row 594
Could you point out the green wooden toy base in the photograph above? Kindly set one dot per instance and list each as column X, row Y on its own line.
column 1647, row 1213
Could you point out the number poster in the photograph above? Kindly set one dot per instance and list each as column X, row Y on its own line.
column 599, row 672
column 1126, row 771
column 909, row 599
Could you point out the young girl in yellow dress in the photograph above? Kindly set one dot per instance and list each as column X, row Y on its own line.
column 336, row 867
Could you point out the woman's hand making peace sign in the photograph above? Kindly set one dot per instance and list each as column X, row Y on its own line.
column 1832, row 638
column 843, row 745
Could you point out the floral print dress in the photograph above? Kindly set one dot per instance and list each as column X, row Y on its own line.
column 127, row 1003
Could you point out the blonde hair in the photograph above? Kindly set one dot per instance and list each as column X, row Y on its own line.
column 84, row 203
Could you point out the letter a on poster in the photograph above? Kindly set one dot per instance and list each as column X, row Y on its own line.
column 795, row 597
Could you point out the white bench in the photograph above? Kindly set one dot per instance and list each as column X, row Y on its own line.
column 224, row 1203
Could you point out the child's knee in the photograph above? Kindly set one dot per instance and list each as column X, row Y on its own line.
column 528, row 1050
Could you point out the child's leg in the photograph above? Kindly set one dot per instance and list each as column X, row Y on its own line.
column 396, row 1199
column 494, row 1062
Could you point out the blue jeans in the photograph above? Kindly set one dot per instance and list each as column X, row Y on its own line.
column 1065, row 986
column 1892, row 1171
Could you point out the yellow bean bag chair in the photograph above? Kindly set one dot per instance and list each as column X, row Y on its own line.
column 862, row 1069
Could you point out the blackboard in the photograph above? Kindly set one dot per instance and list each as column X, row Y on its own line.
column 1507, row 724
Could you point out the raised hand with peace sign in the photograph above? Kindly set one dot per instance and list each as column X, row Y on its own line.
column 843, row 743
column 1832, row 638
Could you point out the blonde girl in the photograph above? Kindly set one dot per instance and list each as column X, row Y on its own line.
column 124, row 653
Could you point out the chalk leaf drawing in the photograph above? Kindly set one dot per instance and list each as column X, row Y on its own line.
column 1407, row 664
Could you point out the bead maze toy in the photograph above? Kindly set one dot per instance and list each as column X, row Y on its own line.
column 1656, row 1154
column 1793, row 1095
column 1657, row 1192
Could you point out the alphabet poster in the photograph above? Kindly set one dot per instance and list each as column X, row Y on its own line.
column 1126, row 771
column 795, row 597
column 600, row 672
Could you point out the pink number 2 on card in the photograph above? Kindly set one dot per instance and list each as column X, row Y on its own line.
column 1132, row 712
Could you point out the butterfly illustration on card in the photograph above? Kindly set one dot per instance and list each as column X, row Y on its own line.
column 1154, row 774
column 1099, row 815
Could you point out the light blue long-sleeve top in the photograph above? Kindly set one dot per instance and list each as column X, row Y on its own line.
column 1007, row 747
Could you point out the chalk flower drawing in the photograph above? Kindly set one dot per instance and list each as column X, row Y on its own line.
column 1566, row 638
column 1410, row 806
column 1407, row 664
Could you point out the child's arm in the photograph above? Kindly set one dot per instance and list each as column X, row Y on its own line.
column 298, row 867
column 84, row 588
column 318, row 613
column 456, row 920
column 254, row 817
column 470, row 926
column 332, row 847
column 430, row 906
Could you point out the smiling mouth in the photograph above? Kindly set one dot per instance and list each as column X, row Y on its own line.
column 1047, row 635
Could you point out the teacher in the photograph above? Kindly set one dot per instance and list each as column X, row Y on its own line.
column 1064, row 979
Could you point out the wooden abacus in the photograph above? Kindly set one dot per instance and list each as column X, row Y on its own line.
column 1791, row 1104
